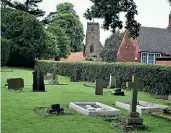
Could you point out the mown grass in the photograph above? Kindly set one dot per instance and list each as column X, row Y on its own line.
column 18, row 115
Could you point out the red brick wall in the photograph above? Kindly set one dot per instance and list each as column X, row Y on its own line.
column 164, row 62
column 128, row 50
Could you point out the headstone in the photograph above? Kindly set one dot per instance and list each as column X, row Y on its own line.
column 99, row 87
column 75, row 75
column 38, row 81
column 134, row 120
column 169, row 98
column 56, row 109
column 48, row 76
column 112, row 81
column 15, row 83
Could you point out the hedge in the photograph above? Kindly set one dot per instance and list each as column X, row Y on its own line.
column 156, row 78
column 5, row 51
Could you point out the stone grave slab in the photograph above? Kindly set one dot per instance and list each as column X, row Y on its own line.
column 15, row 83
column 93, row 109
column 142, row 107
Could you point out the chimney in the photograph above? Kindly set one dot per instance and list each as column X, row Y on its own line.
column 169, row 26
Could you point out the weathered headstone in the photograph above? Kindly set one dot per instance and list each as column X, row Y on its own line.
column 38, row 81
column 112, row 81
column 54, row 80
column 75, row 75
column 134, row 120
column 48, row 76
column 15, row 83
column 169, row 98
column 99, row 87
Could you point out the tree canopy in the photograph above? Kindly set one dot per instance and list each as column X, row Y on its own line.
column 29, row 6
column 68, row 20
column 110, row 49
column 26, row 35
column 109, row 10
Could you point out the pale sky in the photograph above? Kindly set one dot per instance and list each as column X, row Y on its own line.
column 152, row 13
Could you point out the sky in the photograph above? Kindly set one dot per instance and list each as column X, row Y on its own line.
column 152, row 13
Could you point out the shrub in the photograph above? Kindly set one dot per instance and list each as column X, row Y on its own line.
column 5, row 51
column 156, row 78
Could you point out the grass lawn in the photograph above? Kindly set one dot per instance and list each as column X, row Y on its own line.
column 18, row 115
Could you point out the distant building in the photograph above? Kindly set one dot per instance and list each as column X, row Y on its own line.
column 93, row 46
column 151, row 44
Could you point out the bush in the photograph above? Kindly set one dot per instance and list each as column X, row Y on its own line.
column 5, row 51
column 26, row 34
column 156, row 78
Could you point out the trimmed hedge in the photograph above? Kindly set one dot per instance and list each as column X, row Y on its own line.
column 5, row 51
column 156, row 78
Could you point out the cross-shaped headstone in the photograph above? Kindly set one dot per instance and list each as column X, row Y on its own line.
column 135, row 85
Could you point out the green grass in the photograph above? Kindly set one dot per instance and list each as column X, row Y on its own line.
column 18, row 115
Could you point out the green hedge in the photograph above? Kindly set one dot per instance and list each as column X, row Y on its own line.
column 5, row 51
column 156, row 78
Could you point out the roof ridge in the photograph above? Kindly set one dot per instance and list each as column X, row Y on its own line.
column 153, row 27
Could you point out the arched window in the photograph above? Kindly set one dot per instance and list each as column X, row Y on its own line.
column 91, row 49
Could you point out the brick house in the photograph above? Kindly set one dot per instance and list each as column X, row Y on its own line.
column 151, row 44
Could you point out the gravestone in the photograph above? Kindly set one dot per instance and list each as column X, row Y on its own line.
column 99, row 87
column 75, row 76
column 115, row 82
column 15, row 83
column 38, row 79
column 134, row 120
column 169, row 98
column 54, row 80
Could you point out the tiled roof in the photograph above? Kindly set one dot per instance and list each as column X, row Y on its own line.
column 155, row 40
column 78, row 56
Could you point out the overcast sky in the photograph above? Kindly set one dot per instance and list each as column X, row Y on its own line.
column 152, row 13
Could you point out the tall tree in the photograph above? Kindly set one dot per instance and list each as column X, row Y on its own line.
column 63, row 41
column 110, row 49
column 66, row 18
column 109, row 10
column 29, row 6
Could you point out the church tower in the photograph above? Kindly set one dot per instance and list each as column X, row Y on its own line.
column 93, row 45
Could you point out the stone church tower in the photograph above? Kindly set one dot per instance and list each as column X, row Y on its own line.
column 93, row 45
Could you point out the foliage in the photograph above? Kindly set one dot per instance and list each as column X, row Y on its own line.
column 5, row 51
column 62, row 40
column 66, row 18
column 109, row 10
column 26, row 34
column 156, row 78
column 51, row 43
column 110, row 49
column 29, row 6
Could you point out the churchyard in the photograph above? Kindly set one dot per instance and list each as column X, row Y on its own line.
column 20, row 108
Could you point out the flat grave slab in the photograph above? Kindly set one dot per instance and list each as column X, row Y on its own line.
column 94, row 109
column 142, row 107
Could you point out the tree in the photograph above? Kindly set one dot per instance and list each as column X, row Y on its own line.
column 66, row 18
column 110, row 49
column 29, row 6
column 51, row 43
column 26, row 35
column 62, row 40
column 109, row 10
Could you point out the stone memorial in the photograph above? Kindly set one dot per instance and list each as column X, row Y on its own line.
column 75, row 76
column 38, row 81
column 115, row 82
column 94, row 109
column 99, row 87
column 133, row 119
column 54, row 80
column 169, row 98
column 15, row 83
